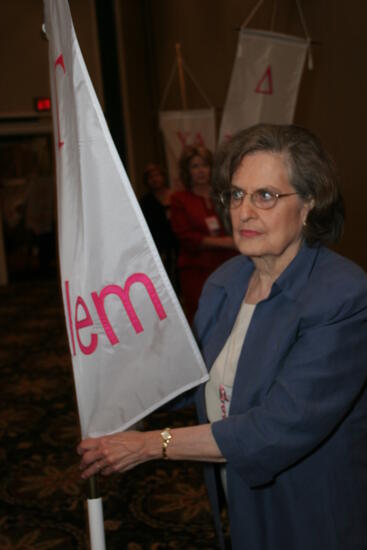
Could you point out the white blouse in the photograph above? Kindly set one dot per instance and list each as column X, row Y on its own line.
column 218, row 389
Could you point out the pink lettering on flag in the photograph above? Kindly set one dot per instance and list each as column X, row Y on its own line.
column 124, row 295
column 60, row 61
column 83, row 323
column 67, row 291
column 182, row 136
column 265, row 84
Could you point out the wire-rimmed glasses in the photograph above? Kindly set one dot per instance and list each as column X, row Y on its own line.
column 261, row 198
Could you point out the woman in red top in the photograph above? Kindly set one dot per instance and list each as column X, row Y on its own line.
column 204, row 244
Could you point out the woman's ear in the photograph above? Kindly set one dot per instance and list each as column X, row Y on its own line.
column 307, row 207
column 310, row 204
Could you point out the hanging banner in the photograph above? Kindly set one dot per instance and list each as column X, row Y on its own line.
column 265, row 80
column 132, row 349
column 180, row 128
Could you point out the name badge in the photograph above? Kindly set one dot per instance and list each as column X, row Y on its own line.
column 212, row 224
column 225, row 396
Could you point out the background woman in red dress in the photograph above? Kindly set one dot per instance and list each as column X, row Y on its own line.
column 204, row 243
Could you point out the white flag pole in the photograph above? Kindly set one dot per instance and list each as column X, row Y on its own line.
column 95, row 516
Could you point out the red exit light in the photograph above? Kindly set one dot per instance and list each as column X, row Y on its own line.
column 43, row 104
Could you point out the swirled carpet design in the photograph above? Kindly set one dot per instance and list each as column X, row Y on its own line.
column 159, row 505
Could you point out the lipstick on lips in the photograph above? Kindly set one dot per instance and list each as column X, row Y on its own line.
column 248, row 233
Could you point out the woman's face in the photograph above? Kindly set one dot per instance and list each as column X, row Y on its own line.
column 274, row 234
column 199, row 171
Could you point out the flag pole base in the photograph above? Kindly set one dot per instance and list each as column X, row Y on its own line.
column 95, row 516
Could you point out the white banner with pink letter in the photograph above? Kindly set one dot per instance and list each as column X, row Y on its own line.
column 132, row 349
column 265, row 80
column 180, row 128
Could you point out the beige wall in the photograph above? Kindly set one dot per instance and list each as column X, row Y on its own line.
column 24, row 52
column 332, row 97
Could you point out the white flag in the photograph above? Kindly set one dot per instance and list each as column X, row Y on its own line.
column 132, row 349
column 265, row 80
column 180, row 128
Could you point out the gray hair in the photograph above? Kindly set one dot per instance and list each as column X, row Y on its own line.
column 312, row 173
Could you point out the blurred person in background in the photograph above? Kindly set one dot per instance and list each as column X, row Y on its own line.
column 204, row 243
column 156, row 207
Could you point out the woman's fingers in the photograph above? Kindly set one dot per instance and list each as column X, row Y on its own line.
column 92, row 470
column 111, row 453
column 87, row 445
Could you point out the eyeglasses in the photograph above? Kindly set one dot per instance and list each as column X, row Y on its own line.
column 261, row 198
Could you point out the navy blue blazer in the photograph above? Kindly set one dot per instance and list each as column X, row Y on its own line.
column 295, row 439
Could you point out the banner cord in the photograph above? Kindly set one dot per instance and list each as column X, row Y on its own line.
column 252, row 13
column 190, row 74
column 199, row 88
column 307, row 35
column 168, row 85
column 254, row 10
column 275, row 7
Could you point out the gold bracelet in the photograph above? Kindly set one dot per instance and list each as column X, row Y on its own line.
column 166, row 438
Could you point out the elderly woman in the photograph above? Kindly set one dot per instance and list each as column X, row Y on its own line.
column 204, row 244
column 283, row 330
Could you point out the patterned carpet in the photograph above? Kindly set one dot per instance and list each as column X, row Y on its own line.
column 160, row 505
